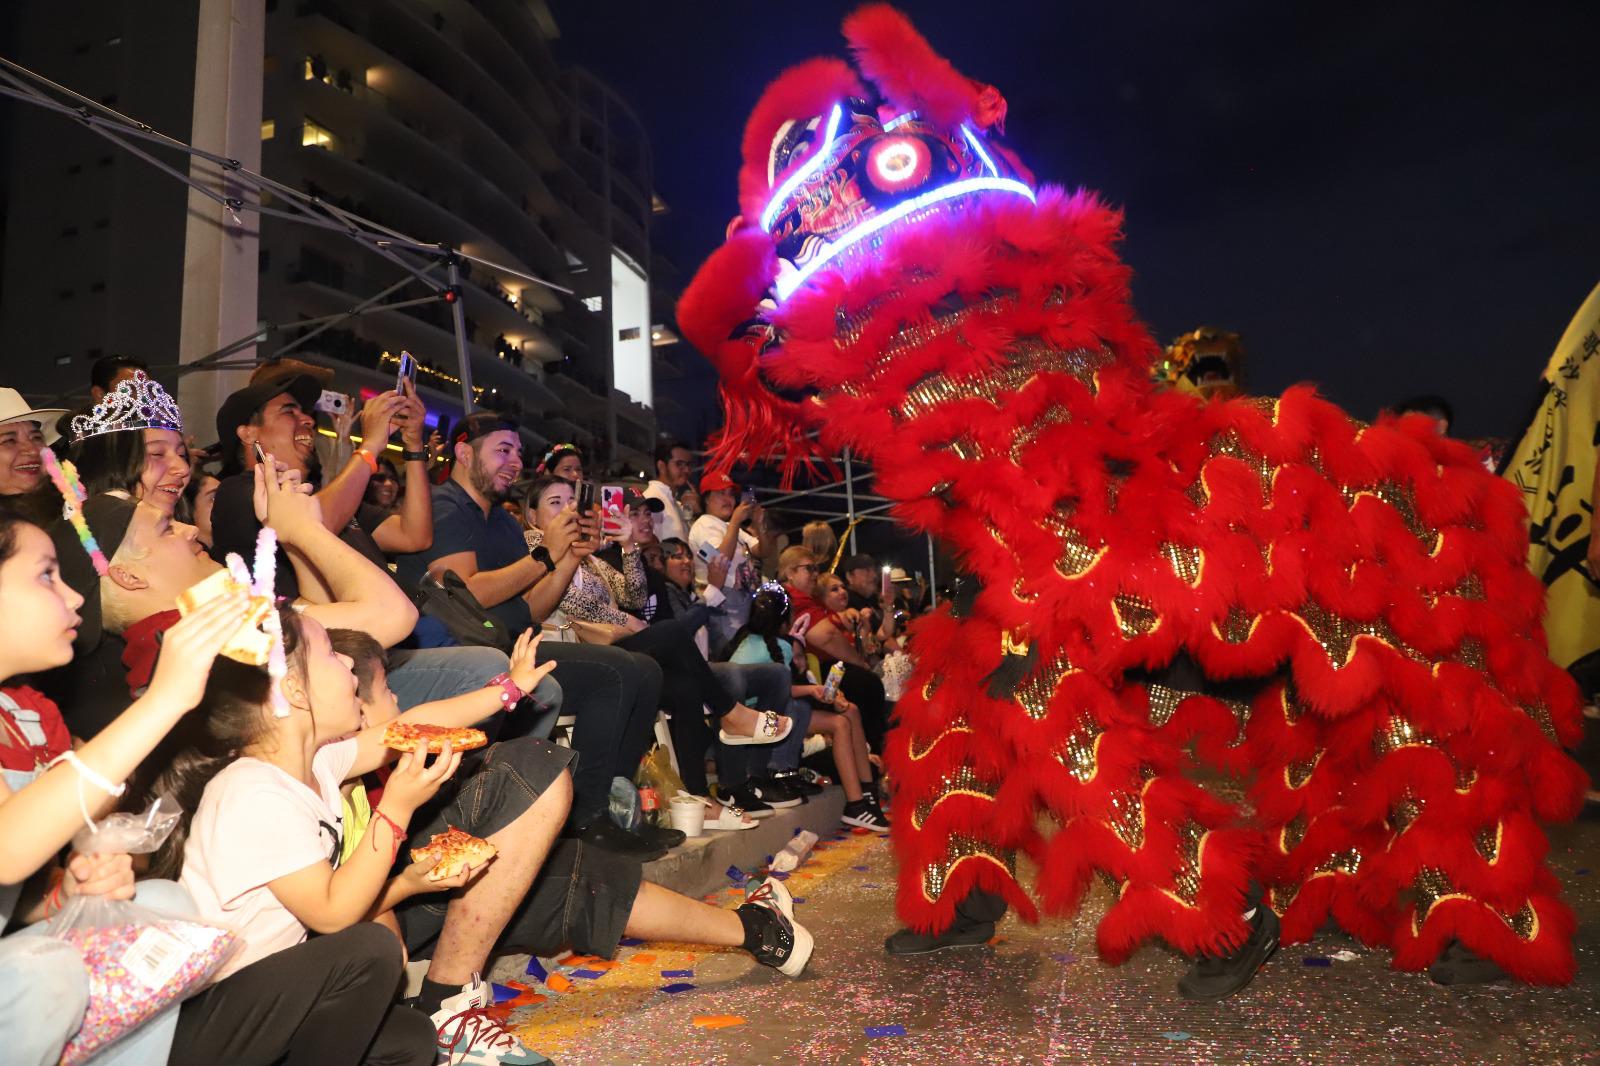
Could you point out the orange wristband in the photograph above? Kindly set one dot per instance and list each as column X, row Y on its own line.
column 368, row 458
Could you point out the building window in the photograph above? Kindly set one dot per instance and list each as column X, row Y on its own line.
column 112, row 42
column 315, row 135
column 269, row 129
column 595, row 303
column 63, row 360
column 629, row 334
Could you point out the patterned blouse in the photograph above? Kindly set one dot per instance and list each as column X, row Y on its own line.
column 598, row 590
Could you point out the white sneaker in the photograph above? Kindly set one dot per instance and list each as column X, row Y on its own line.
column 470, row 1036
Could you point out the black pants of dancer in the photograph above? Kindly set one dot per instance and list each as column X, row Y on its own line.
column 329, row 1000
column 614, row 694
column 687, row 686
column 864, row 688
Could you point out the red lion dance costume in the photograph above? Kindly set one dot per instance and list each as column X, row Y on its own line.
column 895, row 282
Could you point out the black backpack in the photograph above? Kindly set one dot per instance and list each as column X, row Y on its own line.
column 458, row 610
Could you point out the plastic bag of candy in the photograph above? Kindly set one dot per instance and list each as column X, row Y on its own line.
column 140, row 961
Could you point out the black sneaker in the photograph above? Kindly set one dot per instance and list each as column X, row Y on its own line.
column 1211, row 978
column 744, row 797
column 785, row 943
column 796, row 782
column 660, row 836
column 960, row 935
column 1457, row 965
column 864, row 815
column 773, row 794
column 604, row 833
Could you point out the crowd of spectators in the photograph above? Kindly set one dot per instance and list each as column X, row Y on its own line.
column 451, row 582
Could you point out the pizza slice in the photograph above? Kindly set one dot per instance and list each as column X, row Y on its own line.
column 414, row 736
column 452, row 850
column 250, row 643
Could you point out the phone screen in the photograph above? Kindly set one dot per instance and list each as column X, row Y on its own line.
column 611, row 499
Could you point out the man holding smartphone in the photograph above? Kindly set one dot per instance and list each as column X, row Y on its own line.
column 722, row 531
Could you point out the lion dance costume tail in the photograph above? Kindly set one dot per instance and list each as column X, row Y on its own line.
column 1338, row 614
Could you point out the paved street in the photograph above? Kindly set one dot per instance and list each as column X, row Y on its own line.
column 1040, row 996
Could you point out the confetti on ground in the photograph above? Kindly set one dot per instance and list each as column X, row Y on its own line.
column 588, row 975
column 1344, row 955
column 1175, row 1035
column 1317, row 960
column 642, row 959
column 557, row 983
column 629, row 942
column 1064, row 957
column 505, row 992
column 862, row 868
column 677, row 973
column 717, row 1021
column 535, row 969
column 737, row 876
column 674, row 989
column 886, row 1030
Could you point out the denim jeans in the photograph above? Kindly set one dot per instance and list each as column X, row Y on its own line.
column 764, row 686
column 431, row 674
column 44, row 990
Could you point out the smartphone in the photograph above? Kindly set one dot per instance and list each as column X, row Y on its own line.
column 261, row 456
column 407, row 372
column 704, row 552
column 747, row 496
column 333, row 403
column 887, row 586
column 585, row 496
column 611, row 499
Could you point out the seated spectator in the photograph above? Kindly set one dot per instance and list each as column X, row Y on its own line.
column 132, row 442
column 611, row 693
column 154, row 558
column 251, row 777
column 564, row 461
column 818, row 538
column 200, row 499
column 674, row 464
column 722, row 530
column 274, row 417
column 383, row 490
column 592, row 593
column 755, row 779
column 45, row 787
column 831, row 638
column 872, row 630
column 765, row 639
column 24, row 485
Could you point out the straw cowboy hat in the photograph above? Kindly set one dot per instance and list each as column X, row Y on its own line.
column 13, row 408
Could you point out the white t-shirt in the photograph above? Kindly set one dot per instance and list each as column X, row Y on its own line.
column 671, row 522
column 706, row 536
column 255, row 824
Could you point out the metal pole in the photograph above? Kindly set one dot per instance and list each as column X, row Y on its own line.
column 850, row 499
column 933, row 578
column 460, row 319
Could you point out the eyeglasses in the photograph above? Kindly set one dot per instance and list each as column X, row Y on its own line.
column 679, row 554
column 807, row 566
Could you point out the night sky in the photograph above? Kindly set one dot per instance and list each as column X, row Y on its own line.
column 1385, row 199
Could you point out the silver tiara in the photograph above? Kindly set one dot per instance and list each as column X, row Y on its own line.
column 138, row 402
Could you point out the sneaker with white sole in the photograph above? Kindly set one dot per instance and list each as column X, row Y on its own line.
column 786, row 945
column 468, row 1035
column 865, row 815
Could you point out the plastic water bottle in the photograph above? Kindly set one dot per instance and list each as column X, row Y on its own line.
column 795, row 852
column 830, row 687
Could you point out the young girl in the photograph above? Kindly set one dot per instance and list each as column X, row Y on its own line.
column 47, row 789
column 258, row 849
column 132, row 442
column 765, row 638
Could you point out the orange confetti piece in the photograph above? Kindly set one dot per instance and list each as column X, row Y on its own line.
column 642, row 960
column 527, row 999
column 557, row 983
column 717, row 1021
column 604, row 964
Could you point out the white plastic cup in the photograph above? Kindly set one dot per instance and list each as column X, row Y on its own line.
column 688, row 816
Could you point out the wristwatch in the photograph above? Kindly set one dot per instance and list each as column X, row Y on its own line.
column 418, row 456
column 541, row 555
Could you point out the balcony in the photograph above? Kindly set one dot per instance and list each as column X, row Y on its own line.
column 575, row 394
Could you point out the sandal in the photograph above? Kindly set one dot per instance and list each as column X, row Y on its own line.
column 771, row 727
column 720, row 817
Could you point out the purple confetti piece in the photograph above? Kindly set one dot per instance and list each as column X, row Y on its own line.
column 1583, row 871
column 862, row 868
column 629, row 942
column 677, row 973
column 1317, row 960
column 534, row 969
column 767, row 861
column 588, row 975
column 504, row 992
column 1064, row 957
column 737, row 876
column 798, row 899
column 674, row 989
column 886, row 1030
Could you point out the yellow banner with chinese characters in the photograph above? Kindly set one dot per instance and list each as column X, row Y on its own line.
column 1554, row 466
